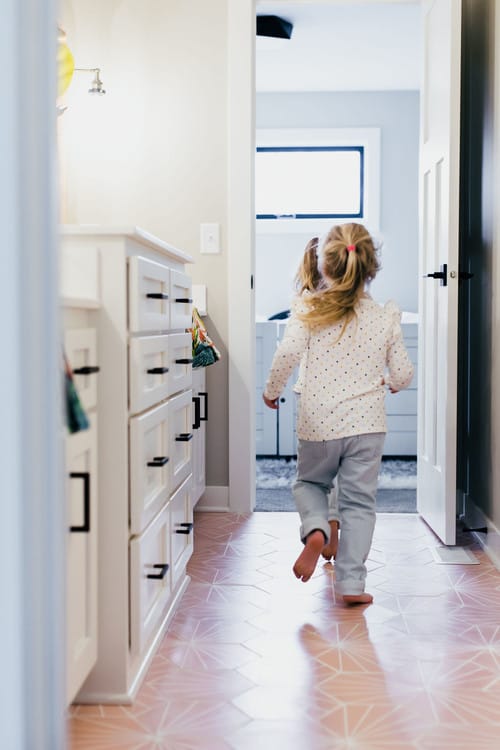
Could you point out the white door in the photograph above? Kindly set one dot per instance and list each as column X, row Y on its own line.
column 438, row 298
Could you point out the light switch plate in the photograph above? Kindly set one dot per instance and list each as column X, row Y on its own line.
column 210, row 238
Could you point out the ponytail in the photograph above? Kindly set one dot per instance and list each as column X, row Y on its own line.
column 349, row 261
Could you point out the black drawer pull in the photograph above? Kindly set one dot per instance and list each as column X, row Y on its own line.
column 157, row 295
column 85, row 475
column 184, row 437
column 158, row 370
column 87, row 370
column 205, row 396
column 187, row 528
column 163, row 572
column 158, row 461
column 184, row 361
column 183, row 299
column 197, row 412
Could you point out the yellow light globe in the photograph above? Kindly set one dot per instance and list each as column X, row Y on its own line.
column 65, row 68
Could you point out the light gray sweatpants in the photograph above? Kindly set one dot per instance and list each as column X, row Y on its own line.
column 355, row 462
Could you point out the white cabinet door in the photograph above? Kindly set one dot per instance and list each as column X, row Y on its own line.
column 265, row 419
column 150, row 465
column 181, row 434
column 181, row 530
column 181, row 303
column 81, row 582
column 200, row 417
column 180, row 349
column 149, row 296
column 148, row 372
column 150, row 580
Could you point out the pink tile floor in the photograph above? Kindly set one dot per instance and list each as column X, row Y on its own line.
column 256, row 660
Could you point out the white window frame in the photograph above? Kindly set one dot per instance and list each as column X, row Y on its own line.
column 368, row 138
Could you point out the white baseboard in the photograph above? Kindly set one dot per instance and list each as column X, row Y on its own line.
column 490, row 540
column 214, row 499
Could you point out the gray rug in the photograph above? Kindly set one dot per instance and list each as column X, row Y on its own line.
column 396, row 485
column 388, row 501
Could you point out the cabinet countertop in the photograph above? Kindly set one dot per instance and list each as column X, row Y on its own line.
column 133, row 232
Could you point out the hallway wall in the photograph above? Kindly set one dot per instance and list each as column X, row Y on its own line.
column 152, row 152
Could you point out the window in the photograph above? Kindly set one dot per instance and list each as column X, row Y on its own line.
column 306, row 180
column 309, row 182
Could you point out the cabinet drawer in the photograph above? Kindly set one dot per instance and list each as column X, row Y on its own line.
column 81, row 350
column 150, row 580
column 81, row 556
column 181, row 529
column 149, row 295
column 180, row 349
column 181, row 302
column 148, row 372
column 181, row 437
column 150, row 465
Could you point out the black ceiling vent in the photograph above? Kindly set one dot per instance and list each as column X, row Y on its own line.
column 274, row 26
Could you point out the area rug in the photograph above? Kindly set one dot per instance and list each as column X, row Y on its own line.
column 396, row 489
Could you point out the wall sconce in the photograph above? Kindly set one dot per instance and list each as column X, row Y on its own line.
column 96, row 87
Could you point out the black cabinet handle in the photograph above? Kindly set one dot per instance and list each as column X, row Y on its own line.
column 197, row 412
column 163, row 572
column 205, row 396
column 158, row 370
column 442, row 274
column 184, row 437
column 158, row 461
column 184, row 361
column 157, row 295
column 187, row 528
column 183, row 299
column 87, row 370
column 85, row 475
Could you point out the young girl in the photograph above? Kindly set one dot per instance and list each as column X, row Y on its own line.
column 349, row 342
column 309, row 279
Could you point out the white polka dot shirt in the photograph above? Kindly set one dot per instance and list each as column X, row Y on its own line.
column 342, row 380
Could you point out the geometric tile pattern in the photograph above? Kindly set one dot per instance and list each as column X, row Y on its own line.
column 256, row 660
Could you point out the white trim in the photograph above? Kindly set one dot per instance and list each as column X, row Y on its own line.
column 367, row 137
column 474, row 518
column 241, row 253
column 32, row 553
column 214, row 499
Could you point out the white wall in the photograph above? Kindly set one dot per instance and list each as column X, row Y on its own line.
column 153, row 151
column 397, row 116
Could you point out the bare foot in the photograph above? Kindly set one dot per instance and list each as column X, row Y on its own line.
column 306, row 561
column 358, row 598
column 330, row 549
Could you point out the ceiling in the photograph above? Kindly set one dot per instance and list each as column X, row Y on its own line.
column 341, row 46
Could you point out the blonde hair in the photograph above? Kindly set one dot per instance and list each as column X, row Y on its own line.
column 308, row 276
column 348, row 261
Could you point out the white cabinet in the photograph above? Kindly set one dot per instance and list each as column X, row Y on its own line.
column 146, row 437
column 80, row 345
column 200, row 418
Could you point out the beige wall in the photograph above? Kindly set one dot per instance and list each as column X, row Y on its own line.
column 152, row 152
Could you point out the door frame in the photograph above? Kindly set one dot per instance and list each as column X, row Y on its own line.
column 241, row 244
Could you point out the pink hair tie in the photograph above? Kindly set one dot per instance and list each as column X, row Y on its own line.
column 351, row 248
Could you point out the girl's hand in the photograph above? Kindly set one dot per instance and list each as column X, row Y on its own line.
column 272, row 404
column 392, row 390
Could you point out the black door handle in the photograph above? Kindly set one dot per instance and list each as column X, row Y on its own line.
column 87, row 370
column 205, row 396
column 158, row 370
column 184, row 361
column 183, row 299
column 197, row 412
column 442, row 274
column 157, row 295
column 158, row 461
column 85, row 475
column 184, row 437
column 161, row 574
column 187, row 528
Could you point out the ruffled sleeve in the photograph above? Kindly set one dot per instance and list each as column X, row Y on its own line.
column 398, row 362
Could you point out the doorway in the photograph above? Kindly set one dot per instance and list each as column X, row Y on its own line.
column 299, row 91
